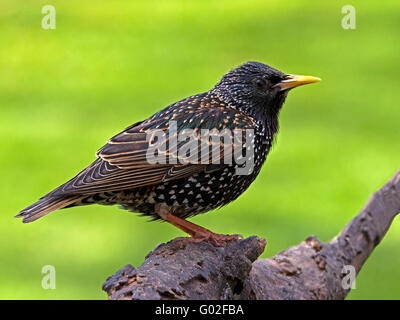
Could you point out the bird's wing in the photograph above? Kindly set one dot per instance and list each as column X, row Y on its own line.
column 123, row 163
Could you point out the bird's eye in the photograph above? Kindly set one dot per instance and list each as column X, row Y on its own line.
column 261, row 83
column 275, row 79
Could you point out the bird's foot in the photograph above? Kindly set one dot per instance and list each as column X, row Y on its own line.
column 216, row 239
column 198, row 233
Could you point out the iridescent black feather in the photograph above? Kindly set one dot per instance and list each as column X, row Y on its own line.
column 245, row 98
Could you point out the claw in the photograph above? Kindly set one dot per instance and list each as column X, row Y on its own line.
column 199, row 234
column 216, row 239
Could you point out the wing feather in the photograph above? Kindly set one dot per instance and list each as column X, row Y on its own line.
column 122, row 163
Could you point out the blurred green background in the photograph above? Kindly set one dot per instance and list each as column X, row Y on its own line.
column 108, row 64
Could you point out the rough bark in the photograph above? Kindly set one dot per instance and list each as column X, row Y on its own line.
column 181, row 269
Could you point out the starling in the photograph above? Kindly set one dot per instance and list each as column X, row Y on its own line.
column 246, row 98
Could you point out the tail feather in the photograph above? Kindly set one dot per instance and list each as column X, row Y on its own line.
column 45, row 206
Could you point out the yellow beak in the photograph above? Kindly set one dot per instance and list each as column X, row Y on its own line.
column 293, row 80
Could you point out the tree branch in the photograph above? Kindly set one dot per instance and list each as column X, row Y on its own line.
column 181, row 269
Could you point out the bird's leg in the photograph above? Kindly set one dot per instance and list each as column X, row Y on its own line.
column 197, row 232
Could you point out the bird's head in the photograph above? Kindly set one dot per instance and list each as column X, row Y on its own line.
column 258, row 89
